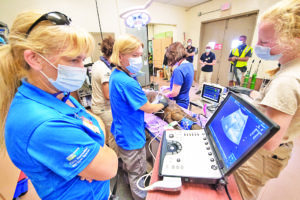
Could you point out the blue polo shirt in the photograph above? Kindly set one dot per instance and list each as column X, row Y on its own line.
column 190, row 50
column 126, row 98
column 183, row 75
column 51, row 143
column 208, row 59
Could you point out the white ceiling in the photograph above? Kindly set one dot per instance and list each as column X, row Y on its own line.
column 182, row 3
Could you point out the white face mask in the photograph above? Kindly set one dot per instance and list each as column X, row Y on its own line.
column 68, row 78
column 240, row 42
column 264, row 53
column 189, row 44
column 135, row 65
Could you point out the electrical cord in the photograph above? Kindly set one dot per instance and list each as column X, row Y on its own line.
column 145, row 188
column 158, row 112
column 227, row 192
column 149, row 145
column 156, row 135
column 224, row 183
column 199, row 118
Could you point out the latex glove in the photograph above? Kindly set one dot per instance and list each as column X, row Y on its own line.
column 157, row 98
column 164, row 101
column 168, row 95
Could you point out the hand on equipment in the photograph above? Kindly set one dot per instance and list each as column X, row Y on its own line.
column 164, row 101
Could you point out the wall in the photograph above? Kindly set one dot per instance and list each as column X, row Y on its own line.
column 84, row 14
column 237, row 8
column 154, row 29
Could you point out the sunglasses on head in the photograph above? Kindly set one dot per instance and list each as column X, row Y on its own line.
column 56, row 18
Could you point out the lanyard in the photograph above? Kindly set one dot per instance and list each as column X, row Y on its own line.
column 66, row 95
column 102, row 58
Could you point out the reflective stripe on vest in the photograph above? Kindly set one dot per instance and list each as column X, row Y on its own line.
column 235, row 52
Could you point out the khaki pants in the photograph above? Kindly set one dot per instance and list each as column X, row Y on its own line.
column 260, row 168
column 106, row 116
column 204, row 77
column 134, row 163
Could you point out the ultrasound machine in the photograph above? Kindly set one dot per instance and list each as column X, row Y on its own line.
column 234, row 132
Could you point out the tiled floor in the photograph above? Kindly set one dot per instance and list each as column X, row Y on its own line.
column 286, row 186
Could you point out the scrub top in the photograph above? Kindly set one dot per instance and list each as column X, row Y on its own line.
column 183, row 75
column 52, row 143
column 126, row 98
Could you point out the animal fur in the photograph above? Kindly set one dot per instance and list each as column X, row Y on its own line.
column 172, row 112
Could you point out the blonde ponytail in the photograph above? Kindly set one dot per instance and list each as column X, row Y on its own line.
column 9, row 82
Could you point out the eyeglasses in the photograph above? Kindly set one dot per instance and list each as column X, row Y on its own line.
column 56, row 18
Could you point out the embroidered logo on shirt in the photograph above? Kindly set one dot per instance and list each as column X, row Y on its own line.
column 75, row 153
column 77, row 156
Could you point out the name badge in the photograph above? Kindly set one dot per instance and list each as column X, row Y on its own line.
column 89, row 124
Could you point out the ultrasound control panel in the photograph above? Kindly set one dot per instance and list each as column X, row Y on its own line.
column 188, row 153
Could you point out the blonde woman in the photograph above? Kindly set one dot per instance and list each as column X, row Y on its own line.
column 128, row 104
column 48, row 134
column 278, row 39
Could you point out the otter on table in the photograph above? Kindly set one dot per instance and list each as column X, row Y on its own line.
column 173, row 112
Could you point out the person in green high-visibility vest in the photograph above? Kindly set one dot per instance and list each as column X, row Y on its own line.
column 238, row 58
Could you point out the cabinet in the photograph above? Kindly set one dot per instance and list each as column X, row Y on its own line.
column 159, row 47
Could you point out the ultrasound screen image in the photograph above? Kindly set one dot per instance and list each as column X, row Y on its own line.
column 235, row 129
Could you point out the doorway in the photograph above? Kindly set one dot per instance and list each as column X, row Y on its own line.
column 224, row 32
column 141, row 34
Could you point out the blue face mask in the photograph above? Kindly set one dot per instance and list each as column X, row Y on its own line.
column 68, row 78
column 240, row 43
column 135, row 65
column 264, row 53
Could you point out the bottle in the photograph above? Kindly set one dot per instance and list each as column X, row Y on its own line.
column 246, row 79
column 253, row 80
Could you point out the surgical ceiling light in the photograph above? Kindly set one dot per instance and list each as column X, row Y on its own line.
column 137, row 17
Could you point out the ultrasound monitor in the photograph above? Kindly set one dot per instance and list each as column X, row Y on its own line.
column 211, row 93
column 236, row 129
